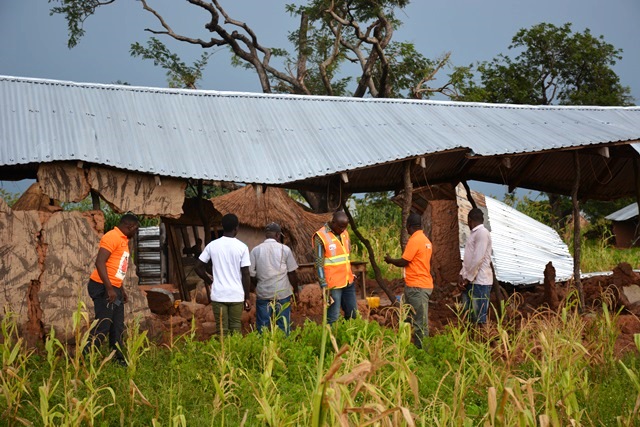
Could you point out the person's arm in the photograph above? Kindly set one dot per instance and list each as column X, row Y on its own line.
column 398, row 262
column 201, row 271
column 318, row 257
column 295, row 283
column 101, row 266
column 252, row 270
column 246, row 284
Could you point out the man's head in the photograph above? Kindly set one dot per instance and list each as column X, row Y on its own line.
column 414, row 223
column 129, row 224
column 475, row 218
column 339, row 222
column 273, row 231
column 230, row 223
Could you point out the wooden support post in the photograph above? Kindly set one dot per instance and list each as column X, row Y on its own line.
column 206, row 224
column 372, row 258
column 177, row 261
column 576, row 230
column 95, row 200
column 406, row 205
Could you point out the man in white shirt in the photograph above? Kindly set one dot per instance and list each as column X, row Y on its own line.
column 476, row 276
column 273, row 272
column 229, row 280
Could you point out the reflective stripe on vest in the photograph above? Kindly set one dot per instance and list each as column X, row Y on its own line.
column 337, row 266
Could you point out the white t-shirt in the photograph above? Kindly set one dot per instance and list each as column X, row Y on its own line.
column 227, row 255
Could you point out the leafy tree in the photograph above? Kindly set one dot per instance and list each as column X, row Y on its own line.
column 9, row 197
column 553, row 65
column 331, row 33
column 179, row 74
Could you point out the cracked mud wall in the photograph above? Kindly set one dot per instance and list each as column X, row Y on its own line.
column 45, row 262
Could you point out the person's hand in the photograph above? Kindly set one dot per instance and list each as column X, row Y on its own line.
column 387, row 259
column 111, row 295
column 462, row 282
column 247, row 306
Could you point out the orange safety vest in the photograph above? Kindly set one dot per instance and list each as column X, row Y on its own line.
column 337, row 265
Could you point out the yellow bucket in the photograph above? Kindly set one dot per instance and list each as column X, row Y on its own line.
column 374, row 302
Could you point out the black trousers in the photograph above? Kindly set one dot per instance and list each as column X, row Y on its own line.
column 110, row 317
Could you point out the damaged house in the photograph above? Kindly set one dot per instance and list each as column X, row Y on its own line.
column 138, row 148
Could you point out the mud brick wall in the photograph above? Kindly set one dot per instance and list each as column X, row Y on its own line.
column 443, row 219
column 45, row 262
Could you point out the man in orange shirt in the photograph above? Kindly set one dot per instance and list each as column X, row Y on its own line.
column 416, row 261
column 105, row 285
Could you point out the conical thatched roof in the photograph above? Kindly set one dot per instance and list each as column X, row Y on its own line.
column 35, row 200
column 256, row 209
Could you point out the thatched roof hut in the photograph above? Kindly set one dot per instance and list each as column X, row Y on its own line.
column 256, row 207
column 34, row 199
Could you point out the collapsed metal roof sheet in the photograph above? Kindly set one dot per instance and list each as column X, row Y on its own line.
column 628, row 212
column 522, row 247
column 276, row 139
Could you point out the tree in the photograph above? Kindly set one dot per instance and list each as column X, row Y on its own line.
column 554, row 66
column 331, row 34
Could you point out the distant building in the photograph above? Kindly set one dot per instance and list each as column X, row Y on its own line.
column 626, row 227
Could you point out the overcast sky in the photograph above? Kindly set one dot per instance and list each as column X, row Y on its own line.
column 34, row 44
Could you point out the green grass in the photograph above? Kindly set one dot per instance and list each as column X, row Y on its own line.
column 551, row 367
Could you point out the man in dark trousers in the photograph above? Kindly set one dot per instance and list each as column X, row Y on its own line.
column 416, row 264
column 105, row 285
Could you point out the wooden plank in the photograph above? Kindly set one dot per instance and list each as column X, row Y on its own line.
column 176, row 256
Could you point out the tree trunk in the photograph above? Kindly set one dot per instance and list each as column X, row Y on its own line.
column 372, row 259
column 406, row 205
column 576, row 230
column 318, row 202
column 469, row 197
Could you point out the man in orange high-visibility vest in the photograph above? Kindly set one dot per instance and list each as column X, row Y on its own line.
column 332, row 250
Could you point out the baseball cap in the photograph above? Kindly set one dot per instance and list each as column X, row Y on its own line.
column 274, row 227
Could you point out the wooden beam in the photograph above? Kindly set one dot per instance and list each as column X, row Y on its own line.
column 531, row 164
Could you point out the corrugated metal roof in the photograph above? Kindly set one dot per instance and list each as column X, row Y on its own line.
column 522, row 246
column 624, row 214
column 273, row 139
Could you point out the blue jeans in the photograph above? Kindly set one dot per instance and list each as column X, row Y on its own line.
column 475, row 301
column 344, row 298
column 282, row 313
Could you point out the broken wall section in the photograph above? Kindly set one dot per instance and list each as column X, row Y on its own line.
column 46, row 259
